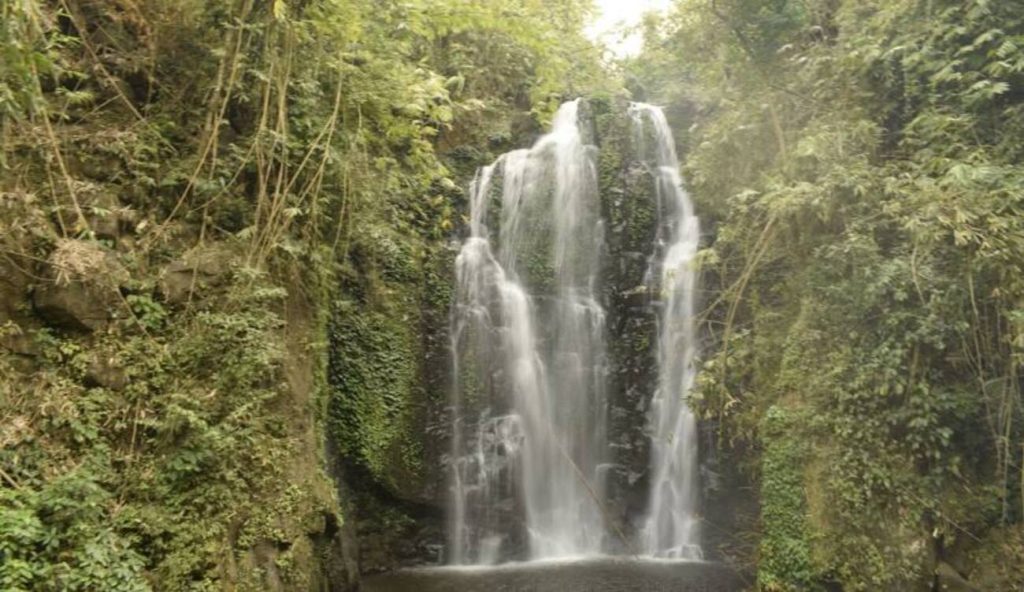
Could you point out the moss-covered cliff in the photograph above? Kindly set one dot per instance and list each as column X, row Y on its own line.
column 223, row 262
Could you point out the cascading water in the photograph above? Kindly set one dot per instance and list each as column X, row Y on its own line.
column 672, row 526
column 528, row 340
column 530, row 448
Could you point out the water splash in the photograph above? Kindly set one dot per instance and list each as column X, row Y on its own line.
column 528, row 340
column 672, row 525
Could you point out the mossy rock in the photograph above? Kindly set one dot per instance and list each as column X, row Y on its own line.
column 374, row 372
column 785, row 561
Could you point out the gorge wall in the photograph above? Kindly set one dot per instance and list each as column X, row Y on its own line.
column 228, row 232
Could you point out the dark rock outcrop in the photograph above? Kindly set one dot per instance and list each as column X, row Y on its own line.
column 948, row 579
column 81, row 291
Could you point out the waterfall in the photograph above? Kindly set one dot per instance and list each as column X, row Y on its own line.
column 528, row 343
column 672, row 526
column 529, row 449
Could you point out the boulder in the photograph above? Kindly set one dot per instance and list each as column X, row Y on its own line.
column 81, row 293
column 104, row 373
column 197, row 270
column 178, row 281
column 21, row 349
column 75, row 305
column 108, row 219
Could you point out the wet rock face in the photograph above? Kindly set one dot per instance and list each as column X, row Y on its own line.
column 629, row 212
column 729, row 503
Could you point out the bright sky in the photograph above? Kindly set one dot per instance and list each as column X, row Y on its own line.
column 616, row 14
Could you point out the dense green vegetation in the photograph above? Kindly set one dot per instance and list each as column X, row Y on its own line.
column 860, row 163
column 199, row 201
column 225, row 266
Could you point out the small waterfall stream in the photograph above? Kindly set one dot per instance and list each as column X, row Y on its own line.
column 671, row 528
column 529, row 449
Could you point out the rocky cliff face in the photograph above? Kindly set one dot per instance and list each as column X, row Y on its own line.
column 629, row 211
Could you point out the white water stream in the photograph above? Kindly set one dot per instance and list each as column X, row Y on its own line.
column 672, row 526
column 529, row 444
column 528, row 336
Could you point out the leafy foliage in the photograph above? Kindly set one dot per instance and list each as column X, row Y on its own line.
column 785, row 552
column 118, row 489
column 313, row 147
column 859, row 163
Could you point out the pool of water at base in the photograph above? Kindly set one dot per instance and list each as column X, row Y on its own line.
column 598, row 574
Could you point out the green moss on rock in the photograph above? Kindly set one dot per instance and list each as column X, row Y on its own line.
column 785, row 553
column 387, row 345
column 374, row 370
